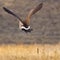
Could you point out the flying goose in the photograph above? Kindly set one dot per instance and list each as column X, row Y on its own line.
column 25, row 25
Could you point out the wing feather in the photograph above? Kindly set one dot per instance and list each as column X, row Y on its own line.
column 10, row 12
column 33, row 11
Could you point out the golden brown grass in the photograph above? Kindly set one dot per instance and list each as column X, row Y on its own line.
column 30, row 52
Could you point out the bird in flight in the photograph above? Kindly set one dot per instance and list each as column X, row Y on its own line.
column 25, row 25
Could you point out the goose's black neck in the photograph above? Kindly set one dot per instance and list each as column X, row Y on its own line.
column 25, row 25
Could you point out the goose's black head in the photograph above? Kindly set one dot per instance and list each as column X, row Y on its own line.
column 26, row 28
column 29, row 30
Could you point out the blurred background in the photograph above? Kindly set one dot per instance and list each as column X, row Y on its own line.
column 45, row 23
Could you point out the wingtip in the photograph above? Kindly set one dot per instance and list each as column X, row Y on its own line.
column 41, row 4
column 3, row 7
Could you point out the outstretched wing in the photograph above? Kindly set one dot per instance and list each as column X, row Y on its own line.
column 10, row 12
column 33, row 11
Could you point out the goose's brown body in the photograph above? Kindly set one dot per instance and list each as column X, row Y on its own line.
column 25, row 25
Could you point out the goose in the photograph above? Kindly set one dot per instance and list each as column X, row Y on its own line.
column 25, row 24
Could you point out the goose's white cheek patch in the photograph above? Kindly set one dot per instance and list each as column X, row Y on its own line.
column 25, row 28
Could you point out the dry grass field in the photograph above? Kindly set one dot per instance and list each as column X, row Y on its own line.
column 43, row 43
column 30, row 52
